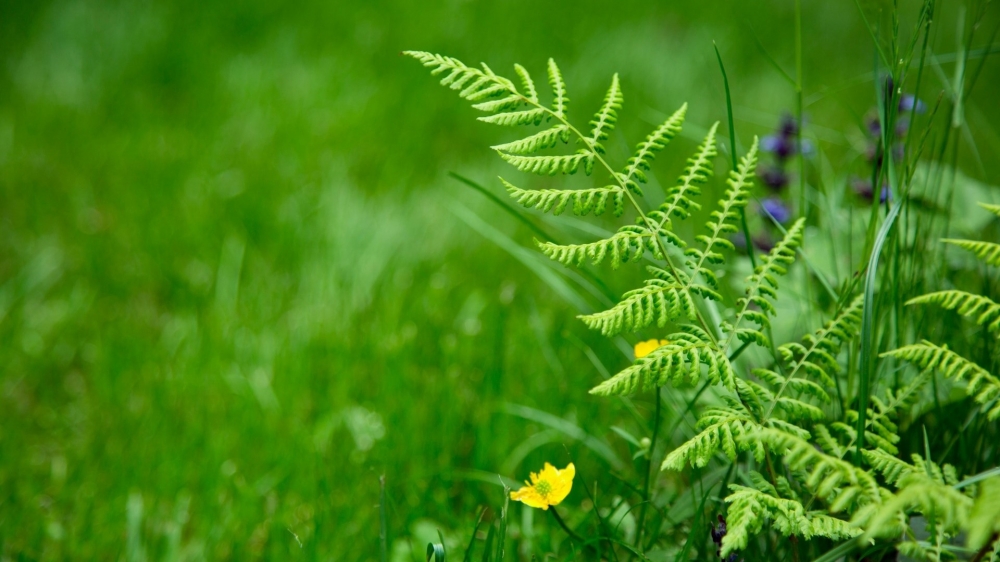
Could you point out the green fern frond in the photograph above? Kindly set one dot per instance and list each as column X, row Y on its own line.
column 719, row 429
column 473, row 84
column 604, row 120
column 831, row 478
column 919, row 492
column 550, row 165
column 985, row 311
column 984, row 387
column 638, row 163
column 697, row 171
column 750, row 509
column 762, row 285
column 583, row 201
column 560, row 102
column 529, row 85
column 890, row 466
column 682, row 358
column 538, row 141
column 984, row 519
column 628, row 244
column 988, row 252
column 657, row 301
column 723, row 219
column 817, row 357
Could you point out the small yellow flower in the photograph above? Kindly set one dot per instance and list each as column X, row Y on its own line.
column 644, row 348
column 548, row 487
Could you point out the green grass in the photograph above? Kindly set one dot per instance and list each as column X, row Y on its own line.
column 238, row 285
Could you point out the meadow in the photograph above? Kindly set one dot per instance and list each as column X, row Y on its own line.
column 262, row 295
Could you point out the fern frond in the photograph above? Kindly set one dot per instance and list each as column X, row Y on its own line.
column 657, row 301
column 987, row 252
column 833, row 479
column 762, row 285
column 511, row 118
column 918, row 491
column 749, row 510
column 697, row 171
column 984, row 519
column 984, row 387
column 604, row 120
column 719, row 429
column 639, row 163
column 817, row 353
column 550, row 165
column 722, row 223
column 538, row 141
column 890, row 466
column 628, row 244
column 985, row 311
column 473, row 84
column 682, row 358
column 583, row 201
column 560, row 102
column 529, row 85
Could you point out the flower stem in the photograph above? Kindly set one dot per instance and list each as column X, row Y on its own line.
column 565, row 527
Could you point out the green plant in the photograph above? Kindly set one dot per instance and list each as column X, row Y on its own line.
column 777, row 405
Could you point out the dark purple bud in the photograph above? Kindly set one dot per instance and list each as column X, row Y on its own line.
column 864, row 190
column 776, row 209
column 763, row 242
column 788, row 127
column 885, row 195
column 734, row 557
column 780, row 146
column 909, row 103
column 774, row 177
column 874, row 127
column 719, row 531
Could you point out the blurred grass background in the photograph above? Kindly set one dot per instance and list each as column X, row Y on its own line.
column 237, row 284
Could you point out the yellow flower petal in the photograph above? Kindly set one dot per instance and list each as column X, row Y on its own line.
column 548, row 487
column 644, row 348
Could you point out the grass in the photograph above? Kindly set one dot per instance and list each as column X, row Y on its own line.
column 238, row 286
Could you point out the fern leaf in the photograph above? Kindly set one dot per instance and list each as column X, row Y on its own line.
column 988, row 252
column 984, row 519
column 891, row 467
column 527, row 82
column 983, row 386
column 628, row 244
column 640, row 162
column 657, row 301
column 473, row 84
column 985, row 311
column 606, row 117
column 549, row 165
column 722, row 223
column 749, row 510
column 762, row 284
column 917, row 492
column 560, row 103
column 584, row 201
column 720, row 429
column 682, row 358
column 538, row 141
column 679, row 201
column 532, row 116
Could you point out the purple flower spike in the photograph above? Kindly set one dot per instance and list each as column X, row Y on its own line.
column 774, row 177
column 788, row 127
column 909, row 103
column 864, row 190
column 777, row 209
column 780, row 146
column 885, row 195
column 874, row 127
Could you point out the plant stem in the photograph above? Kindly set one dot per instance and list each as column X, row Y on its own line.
column 649, row 470
column 572, row 534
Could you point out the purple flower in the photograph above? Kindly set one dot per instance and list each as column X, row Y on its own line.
column 909, row 102
column 719, row 531
column 788, row 127
column 776, row 209
column 782, row 147
column 774, row 177
column 864, row 190
column 874, row 126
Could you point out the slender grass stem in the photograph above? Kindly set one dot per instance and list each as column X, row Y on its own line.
column 649, row 469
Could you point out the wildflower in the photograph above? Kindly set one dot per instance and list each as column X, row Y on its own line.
column 776, row 209
column 774, row 177
column 781, row 146
column 644, row 348
column 548, row 487
column 865, row 190
column 909, row 102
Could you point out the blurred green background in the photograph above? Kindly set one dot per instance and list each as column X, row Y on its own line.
column 238, row 285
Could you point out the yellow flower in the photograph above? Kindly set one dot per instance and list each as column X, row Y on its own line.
column 644, row 348
column 548, row 487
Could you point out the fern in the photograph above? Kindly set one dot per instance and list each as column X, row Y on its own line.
column 658, row 301
column 986, row 311
column 988, row 252
column 556, row 200
column 984, row 518
column 639, row 163
column 606, row 117
column 984, row 387
column 724, row 429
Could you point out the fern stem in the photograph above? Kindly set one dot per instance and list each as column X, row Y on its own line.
column 649, row 470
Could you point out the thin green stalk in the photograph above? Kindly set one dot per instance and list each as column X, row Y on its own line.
column 649, row 470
